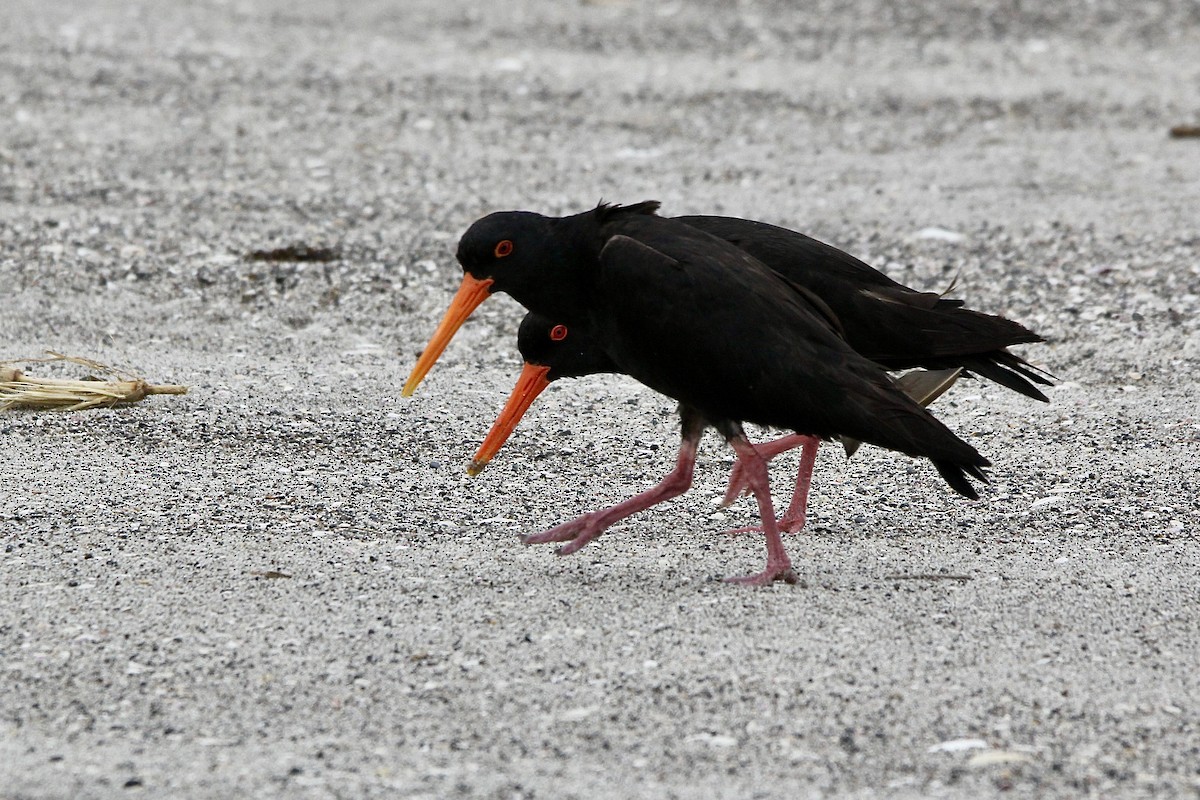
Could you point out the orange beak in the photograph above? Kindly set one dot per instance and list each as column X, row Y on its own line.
column 529, row 386
column 471, row 292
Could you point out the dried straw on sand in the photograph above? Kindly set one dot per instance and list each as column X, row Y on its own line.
column 18, row 390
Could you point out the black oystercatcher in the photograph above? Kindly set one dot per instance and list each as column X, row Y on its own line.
column 552, row 351
column 886, row 321
column 703, row 322
column 882, row 319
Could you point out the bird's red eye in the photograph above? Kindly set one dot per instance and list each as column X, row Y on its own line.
column 558, row 333
column 504, row 247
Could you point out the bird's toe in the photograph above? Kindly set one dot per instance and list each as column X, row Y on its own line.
column 792, row 525
column 572, row 531
column 740, row 531
column 562, row 533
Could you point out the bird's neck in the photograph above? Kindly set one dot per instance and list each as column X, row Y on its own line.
column 567, row 294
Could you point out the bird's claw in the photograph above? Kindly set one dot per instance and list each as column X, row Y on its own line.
column 791, row 524
column 576, row 533
column 570, row 547
column 738, row 486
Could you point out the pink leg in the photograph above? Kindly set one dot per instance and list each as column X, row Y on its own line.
column 737, row 477
column 794, row 518
column 581, row 530
column 797, row 513
column 779, row 566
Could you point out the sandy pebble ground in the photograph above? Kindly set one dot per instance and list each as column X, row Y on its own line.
column 284, row 585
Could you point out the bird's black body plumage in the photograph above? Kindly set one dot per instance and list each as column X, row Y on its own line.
column 704, row 322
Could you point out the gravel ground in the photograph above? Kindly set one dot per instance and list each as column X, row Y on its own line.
column 284, row 584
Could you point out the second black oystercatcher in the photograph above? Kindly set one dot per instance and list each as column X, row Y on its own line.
column 701, row 321
column 552, row 351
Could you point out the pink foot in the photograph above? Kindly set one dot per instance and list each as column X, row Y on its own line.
column 581, row 530
column 779, row 566
column 793, row 523
column 576, row 533
column 793, row 520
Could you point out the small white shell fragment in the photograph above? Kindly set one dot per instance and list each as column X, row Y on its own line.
column 1045, row 501
column 577, row 714
column 940, row 235
column 958, row 745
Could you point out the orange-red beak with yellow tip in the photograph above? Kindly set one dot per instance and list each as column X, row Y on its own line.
column 471, row 292
column 531, row 383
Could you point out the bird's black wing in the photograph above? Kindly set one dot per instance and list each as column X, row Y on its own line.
column 883, row 319
column 708, row 325
column 808, row 261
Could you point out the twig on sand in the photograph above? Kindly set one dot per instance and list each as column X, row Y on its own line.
column 18, row 390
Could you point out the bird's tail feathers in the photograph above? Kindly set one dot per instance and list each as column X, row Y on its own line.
column 956, row 474
column 1011, row 371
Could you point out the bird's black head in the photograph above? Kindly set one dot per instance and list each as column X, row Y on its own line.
column 551, row 351
column 527, row 256
column 569, row 351
column 508, row 251
column 547, row 264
